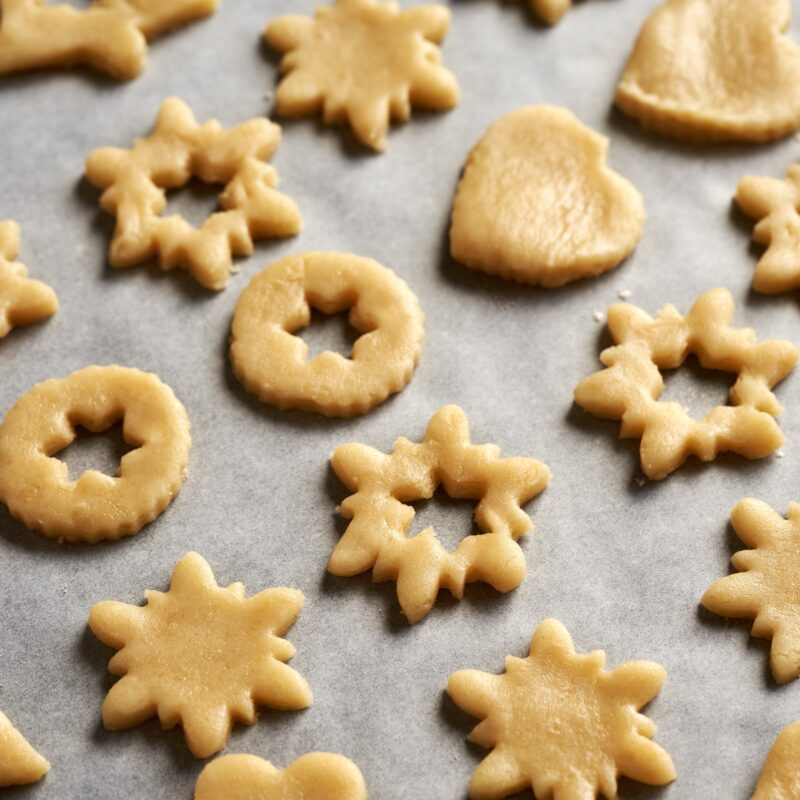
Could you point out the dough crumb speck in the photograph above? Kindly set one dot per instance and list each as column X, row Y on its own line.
column 624, row 294
column 599, row 316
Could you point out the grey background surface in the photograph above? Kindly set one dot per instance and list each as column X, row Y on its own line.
column 621, row 565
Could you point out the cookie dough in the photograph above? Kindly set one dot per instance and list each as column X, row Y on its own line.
column 35, row 484
column 134, row 183
column 780, row 779
column 23, row 300
column 538, row 204
column 272, row 362
column 561, row 723
column 550, row 11
column 200, row 655
column 381, row 516
column 314, row 776
column 20, row 764
column 629, row 387
column 715, row 71
column 364, row 63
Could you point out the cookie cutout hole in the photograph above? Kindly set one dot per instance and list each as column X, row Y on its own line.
column 331, row 332
column 697, row 389
column 451, row 519
column 195, row 202
column 101, row 451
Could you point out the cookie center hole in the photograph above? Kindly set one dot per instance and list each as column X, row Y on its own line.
column 450, row 519
column 100, row 451
column 329, row 332
column 697, row 389
column 195, row 202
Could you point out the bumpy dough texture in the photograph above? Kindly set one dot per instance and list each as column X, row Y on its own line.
column 538, row 204
column 200, row 655
column 272, row 362
column 314, row 776
column 363, row 62
column 629, row 388
column 561, row 723
column 715, row 71
column 780, row 778
column 134, row 183
column 381, row 517
column 36, row 486
column 766, row 587
column 20, row 764
column 23, row 300
column 109, row 35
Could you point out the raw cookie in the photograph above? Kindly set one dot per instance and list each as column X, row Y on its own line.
column 109, row 35
column 715, row 71
column 200, row 655
column 363, row 62
column 775, row 205
column 134, row 183
column 20, row 764
column 35, row 484
column 272, row 363
column 23, row 300
column 550, row 11
column 538, row 204
column 766, row 588
column 381, row 516
column 314, row 776
column 780, row 778
column 629, row 388
column 561, row 723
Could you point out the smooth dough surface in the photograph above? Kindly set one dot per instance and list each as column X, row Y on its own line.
column 629, row 387
column 35, row 484
column 272, row 363
column 20, row 764
column 363, row 62
column 200, row 655
column 550, row 11
column 780, row 778
column 715, row 71
column 314, row 776
column 538, row 204
column 561, row 723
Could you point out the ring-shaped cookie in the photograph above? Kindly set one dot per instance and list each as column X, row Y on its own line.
column 272, row 362
column 36, row 486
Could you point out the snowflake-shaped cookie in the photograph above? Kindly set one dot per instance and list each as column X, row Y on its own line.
column 134, row 183
column 314, row 776
column 23, row 300
column 381, row 517
column 775, row 204
column 561, row 723
column 363, row 62
column 629, row 388
column 200, row 655
column 20, row 764
column 767, row 587
column 780, row 778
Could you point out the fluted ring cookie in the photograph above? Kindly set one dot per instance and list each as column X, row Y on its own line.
column 36, row 486
column 273, row 363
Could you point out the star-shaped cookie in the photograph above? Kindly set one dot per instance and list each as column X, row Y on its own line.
column 20, row 764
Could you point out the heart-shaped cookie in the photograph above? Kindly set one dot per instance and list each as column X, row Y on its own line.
column 538, row 204
column 715, row 70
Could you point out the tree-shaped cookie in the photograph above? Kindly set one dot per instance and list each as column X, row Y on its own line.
column 363, row 62
column 538, row 203
column 314, row 776
column 561, row 723
column 780, row 778
column 766, row 587
column 381, row 516
column 715, row 70
column 23, row 300
column 134, row 183
column 109, row 35
column 200, row 655
column 629, row 387
column 20, row 764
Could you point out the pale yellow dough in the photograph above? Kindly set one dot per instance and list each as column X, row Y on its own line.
column 20, row 764
column 780, row 778
column 200, row 655
column 363, row 62
column 134, row 183
column 23, row 300
column 629, row 387
column 766, row 587
column 272, row 362
column 314, row 776
column 35, row 485
column 538, row 204
column 561, row 723
column 381, row 516
column 109, row 35
column 715, row 71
